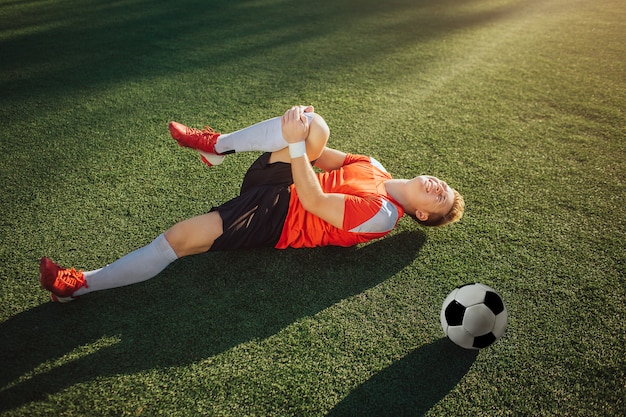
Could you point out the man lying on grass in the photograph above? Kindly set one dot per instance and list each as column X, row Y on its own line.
column 283, row 202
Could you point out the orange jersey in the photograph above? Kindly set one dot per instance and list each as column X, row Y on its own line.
column 369, row 213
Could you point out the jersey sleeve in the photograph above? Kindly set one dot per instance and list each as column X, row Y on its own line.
column 354, row 158
column 372, row 214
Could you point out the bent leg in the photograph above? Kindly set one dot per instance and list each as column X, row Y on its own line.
column 264, row 136
column 315, row 142
column 267, row 136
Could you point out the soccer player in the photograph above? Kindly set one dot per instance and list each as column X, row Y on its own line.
column 283, row 202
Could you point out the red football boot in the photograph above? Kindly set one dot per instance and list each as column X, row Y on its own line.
column 201, row 140
column 189, row 137
column 61, row 282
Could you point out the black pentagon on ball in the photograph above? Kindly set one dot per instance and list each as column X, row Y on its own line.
column 494, row 302
column 484, row 340
column 454, row 313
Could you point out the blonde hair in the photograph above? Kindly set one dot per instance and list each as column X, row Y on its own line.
column 454, row 215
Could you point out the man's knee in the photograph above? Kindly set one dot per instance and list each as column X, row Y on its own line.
column 195, row 235
column 315, row 141
column 318, row 136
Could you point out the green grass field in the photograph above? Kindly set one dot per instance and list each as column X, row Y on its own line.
column 518, row 104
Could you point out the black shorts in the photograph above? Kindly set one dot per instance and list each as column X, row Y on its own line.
column 256, row 217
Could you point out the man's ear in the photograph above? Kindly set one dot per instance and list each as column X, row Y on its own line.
column 421, row 215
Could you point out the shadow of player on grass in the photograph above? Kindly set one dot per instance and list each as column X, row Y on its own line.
column 198, row 307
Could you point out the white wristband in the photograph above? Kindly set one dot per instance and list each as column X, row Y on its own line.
column 298, row 149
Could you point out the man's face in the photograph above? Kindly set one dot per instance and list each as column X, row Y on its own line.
column 431, row 196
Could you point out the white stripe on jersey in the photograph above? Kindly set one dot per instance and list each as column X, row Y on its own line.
column 381, row 222
column 377, row 164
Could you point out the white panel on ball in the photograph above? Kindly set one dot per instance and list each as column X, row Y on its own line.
column 460, row 336
column 470, row 295
column 478, row 319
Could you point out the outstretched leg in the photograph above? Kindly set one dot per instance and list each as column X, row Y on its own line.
column 192, row 236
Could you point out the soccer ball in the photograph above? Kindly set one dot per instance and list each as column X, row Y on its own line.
column 473, row 316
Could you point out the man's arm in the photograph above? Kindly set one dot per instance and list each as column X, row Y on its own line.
column 330, row 159
column 329, row 207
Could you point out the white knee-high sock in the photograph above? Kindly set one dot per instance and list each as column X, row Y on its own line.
column 266, row 136
column 140, row 265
